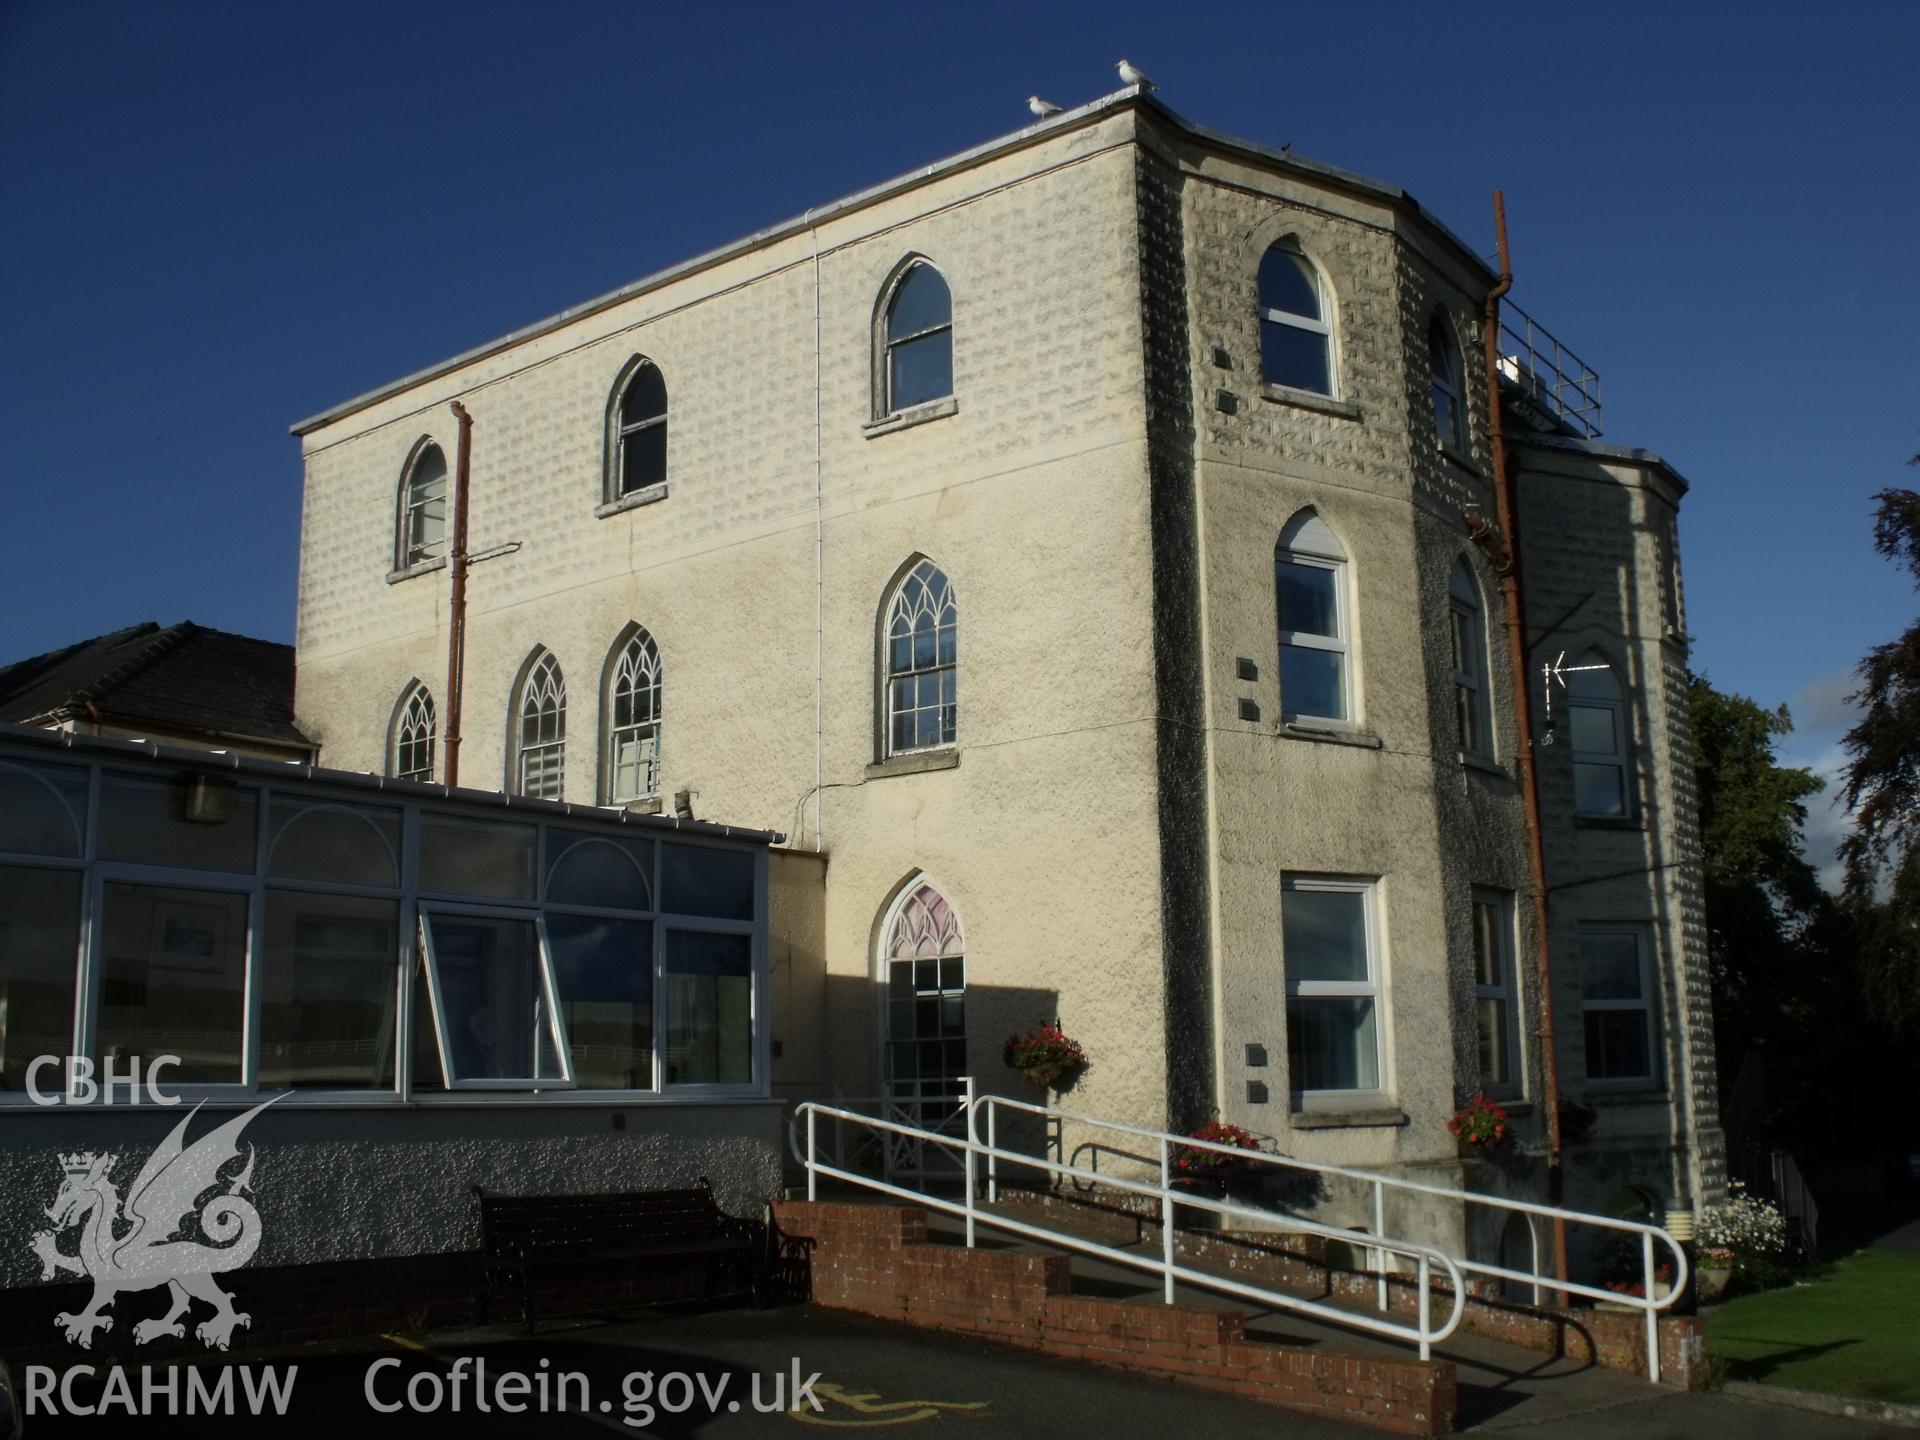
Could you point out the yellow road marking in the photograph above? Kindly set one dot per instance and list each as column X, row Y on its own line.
column 878, row 1412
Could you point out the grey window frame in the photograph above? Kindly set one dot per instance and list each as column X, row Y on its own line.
column 1504, row 992
column 1447, row 365
column 406, row 553
column 619, row 431
column 406, row 726
column 885, row 343
column 542, row 663
column 1617, row 759
column 1467, row 641
column 636, row 639
column 1646, row 1004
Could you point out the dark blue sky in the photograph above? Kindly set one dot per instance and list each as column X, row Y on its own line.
column 222, row 217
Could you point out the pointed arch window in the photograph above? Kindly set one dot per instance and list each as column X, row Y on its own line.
column 633, row 719
column 1448, row 386
column 1467, row 636
column 637, row 430
column 415, row 729
column 1311, row 589
column 423, row 508
column 1597, row 720
column 1296, row 321
column 920, row 658
column 926, row 975
column 915, row 341
column 540, row 752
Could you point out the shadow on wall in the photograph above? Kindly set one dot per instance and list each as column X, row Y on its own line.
column 901, row 1049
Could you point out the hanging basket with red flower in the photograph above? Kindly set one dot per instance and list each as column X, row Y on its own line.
column 1215, row 1169
column 1046, row 1055
column 1481, row 1125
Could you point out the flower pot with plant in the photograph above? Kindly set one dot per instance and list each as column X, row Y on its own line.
column 1482, row 1127
column 1046, row 1055
column 1715, row 1273
column 1215, row 1174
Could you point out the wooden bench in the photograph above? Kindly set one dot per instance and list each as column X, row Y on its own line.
column 526, row 1240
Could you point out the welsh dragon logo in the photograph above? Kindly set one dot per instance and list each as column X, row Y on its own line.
column 139, row 1246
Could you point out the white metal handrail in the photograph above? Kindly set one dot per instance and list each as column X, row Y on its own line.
column 1425, row 1259
column 1646, row 1301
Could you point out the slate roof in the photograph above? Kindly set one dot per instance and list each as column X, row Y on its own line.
column 181, row 678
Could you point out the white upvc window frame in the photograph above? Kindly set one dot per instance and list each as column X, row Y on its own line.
column 258, row 885
column 1372, row 988
column 1340, row 643
column 1322, row 327
column 548, row 1013
column 1646, row 1005
column 1497, row 907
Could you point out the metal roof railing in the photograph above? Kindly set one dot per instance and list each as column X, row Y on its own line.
column 1546, row 372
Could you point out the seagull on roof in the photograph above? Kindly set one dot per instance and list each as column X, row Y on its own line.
column 1042, row 108
column 1129, row 75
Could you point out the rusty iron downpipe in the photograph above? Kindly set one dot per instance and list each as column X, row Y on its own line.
column 1508, row 518
column 457, row 598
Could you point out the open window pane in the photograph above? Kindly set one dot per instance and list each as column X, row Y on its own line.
column 39, row 956
column 603, row 971
column 493, row 1007
column 172, row 980
column 709, row 981
column 327, row 977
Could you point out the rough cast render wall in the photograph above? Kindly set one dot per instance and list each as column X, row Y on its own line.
column 1033, row 497
column 1115, row 832
column 353, row 1182
column 1403, row 806
column 1603, row 573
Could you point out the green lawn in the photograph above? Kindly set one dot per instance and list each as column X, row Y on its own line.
column 1853, row 1331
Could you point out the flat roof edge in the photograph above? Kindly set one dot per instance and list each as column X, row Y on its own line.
column 1602, row 450
column 1128, row 97
column 109, row 747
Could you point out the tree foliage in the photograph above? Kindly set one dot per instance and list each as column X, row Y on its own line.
column 1882, row 788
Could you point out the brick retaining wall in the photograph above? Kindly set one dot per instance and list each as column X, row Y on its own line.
column 878, row 1260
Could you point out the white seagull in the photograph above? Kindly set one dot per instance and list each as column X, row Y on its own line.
column 1129, row 75
column 1042, row 108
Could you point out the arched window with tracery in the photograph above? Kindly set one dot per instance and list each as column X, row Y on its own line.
column 540, row 752
column 919, row 663
column 924, row 954
column 633, row 719
column 415, row 727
